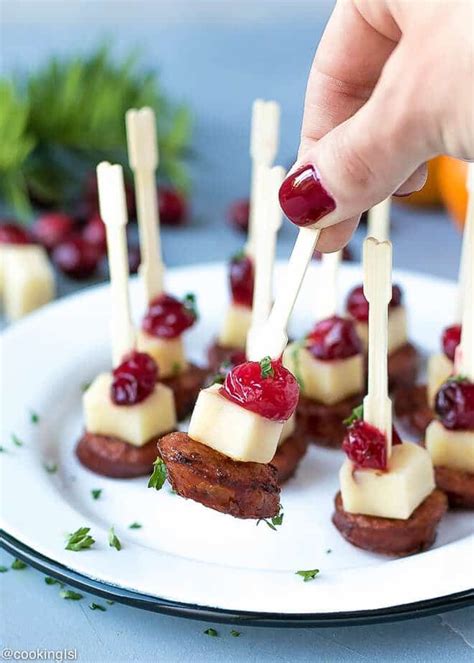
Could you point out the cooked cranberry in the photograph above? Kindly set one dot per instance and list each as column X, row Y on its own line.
column 334, row 338
column 450, row 340
column 266, row 388
column 173, row 207
column 365, row 446
column 167, row 317
column 52, row 228
column 12, row 233
column 358, row 306
column 94, row 232
column 134, row 258
column 76, row 257
column 238, row 214
column 134, row 379
column 237, row 357
column 455, row 404
column 241, row 280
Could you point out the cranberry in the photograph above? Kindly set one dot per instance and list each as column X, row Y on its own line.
column 455, row 404
column 450, row 340
column 365, row 446
column 12, row 233
column 237, row 357
column 238, row 214
column 334, row 338
column 266, row 388
column 51, row 228
column 241, row 280
column 76, row 257
column 134, row 379
column 167, row 317
column 134, row 258
column 358, row 306
column 172, row 205
column 94, row 232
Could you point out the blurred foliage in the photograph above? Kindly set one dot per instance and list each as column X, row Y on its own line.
column 59, row 122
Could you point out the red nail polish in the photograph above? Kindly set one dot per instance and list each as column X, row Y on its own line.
column 304, row 199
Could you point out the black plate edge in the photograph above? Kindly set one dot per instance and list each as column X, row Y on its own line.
column 197, row 612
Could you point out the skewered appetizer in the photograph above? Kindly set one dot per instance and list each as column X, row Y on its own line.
column 329, row 366
column 388, row 502
column 226, row 460
column 166, row 318
column 232, row 337
column 26, row 276
column 125, row 411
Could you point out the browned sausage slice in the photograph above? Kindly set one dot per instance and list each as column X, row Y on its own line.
column 412, row 409
column 403, row 366
column 323, row 424
column 458, row 486
column 289, row 454
column 186, row 387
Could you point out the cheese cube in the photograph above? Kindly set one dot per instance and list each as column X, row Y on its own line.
column 289, row 428
column 440, row 368
column 167, row 352
column 236, row 324
column 28, row 280
column 135, row 424
column 397, row 329
column 450, row 448
column 392, row 494
column 328, row 382
column 232, row 430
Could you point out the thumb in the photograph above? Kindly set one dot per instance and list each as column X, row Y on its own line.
column 376, row 152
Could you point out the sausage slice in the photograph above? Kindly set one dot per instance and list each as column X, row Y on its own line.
column 458, row 486
column 186, row 387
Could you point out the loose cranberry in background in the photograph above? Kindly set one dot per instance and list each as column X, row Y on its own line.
column 51, row 228
column 241, row 278
column 94, row 233
column 76, row 257
column 172, row 206
column 13, row 233
column 358, row 307
column 134, row 379
column 365, row 446
column 450, row 340
column 167, row 317
column 266, row 388
column 455, row 404
column 334, row 338
column 238, row 214
column 134, row 258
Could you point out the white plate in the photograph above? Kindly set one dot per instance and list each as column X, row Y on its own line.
column 185, row 553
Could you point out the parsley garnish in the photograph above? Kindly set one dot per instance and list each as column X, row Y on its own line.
column 80, row 540
column 3, row 569
column 34, row 417
column 51, row 468
column 135, row 526
column 308, row 575
column 457, row 378
column 114, row 541
column 109, row 602
column 3, row 450
column 85, row 386
column 189, row 303
column 176, row 368
column 234, row 633
column 70, row 595
column 237, row 257
column 275, row 522
column 158, row 477
column 52, row 581
column 19, row 565
column 16, row 440
column 357, row 414
column 212, row 632
column 97, row 606
column 266, row 368
column 329, row 550
column 96, row 493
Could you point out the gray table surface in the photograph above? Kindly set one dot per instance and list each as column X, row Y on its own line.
column 217, row 56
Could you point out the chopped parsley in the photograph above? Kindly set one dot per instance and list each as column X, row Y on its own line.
column 3, row 569
column 457, row 378
column 3, row 450
column 19, row 565
column 189, row 303
column 329, row 550
column 109, row 602
column 176, row 368
column 70, row 595
column 34, row 417
column 234, row 633
column 308, row 575
column 80, row 540
column 357, row 414
column 212, row 632
column 85, row 386
column 16, row 440
column 51, row 468
column 158, row 477
column 96, row 493
column 237, row 257
column 266, row 368
column 52, row 581
column 275, row 522
column 114, row 541
column 135, row 526
column 97, row 606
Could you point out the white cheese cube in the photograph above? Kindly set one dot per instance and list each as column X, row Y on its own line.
column 440, row 368
column 289, row 428
column 328, row 382
column 392, row 494
column 236, row 324
column 28, row 280
column 167, row 352
column 450, row 448
column 135, row 424
column 397, row 329
column 232, row 430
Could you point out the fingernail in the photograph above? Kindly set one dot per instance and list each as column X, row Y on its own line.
column 403, row 195
column 304, row 199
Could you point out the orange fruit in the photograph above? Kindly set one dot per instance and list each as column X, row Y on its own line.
column 452, row 184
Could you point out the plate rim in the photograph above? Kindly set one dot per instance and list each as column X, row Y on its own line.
column 150, row 603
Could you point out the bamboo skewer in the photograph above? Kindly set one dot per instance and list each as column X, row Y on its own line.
column 328, row 297
column 113, row 211
column 378, row 223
